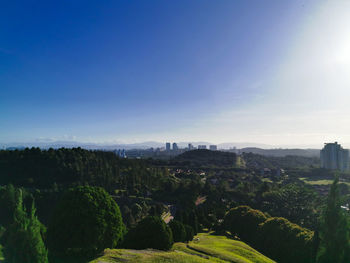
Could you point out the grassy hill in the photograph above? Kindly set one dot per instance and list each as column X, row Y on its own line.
column 204, row 248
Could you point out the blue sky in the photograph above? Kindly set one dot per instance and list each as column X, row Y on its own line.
column 130, row 71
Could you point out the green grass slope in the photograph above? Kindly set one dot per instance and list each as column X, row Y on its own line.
column 204, row 248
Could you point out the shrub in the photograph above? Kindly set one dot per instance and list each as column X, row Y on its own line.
column 151, row 232
column 285, row 242
column 189, row 233
column 85, row 221
column 244, row 222
column 178, row 230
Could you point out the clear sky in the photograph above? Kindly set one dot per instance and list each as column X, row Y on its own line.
column 274, row 72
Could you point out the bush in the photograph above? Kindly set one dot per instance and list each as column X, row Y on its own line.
column 285, row 242
column 189, row 233
column 244, row 222
column 151, row 232
column 178, row 230
column 85, row 221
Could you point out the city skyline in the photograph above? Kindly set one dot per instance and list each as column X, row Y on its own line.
column 274, row 73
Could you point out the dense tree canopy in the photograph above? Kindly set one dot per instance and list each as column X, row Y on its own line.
column 206, row 158
column 151, row 232
column 66, row 167
column 244, row 222
column 284, row 241
column 292, row 201
column 189, row 233
column 86, row 221
column 178, row 230
column 334, row 230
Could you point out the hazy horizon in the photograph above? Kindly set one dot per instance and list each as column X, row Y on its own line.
column 265, row 72
column 159, row 144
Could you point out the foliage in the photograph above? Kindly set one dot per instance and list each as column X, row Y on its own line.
column 295, row 202
column 188, row 217
column 8, row 204
column 334, row 229
column 189, row 233
column 22, row 240
column 256, row 161
column 244, row 221
column 63, row 167
column 178, row 230
column 151, row 232
column 86, row 221
column 206, row 158
column 284, row 241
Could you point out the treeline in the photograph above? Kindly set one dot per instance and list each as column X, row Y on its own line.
column 205, row 158
column 256, row 161
column 38, row 168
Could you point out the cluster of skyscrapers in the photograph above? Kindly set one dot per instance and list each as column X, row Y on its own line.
column 334, row 157
column 121, row 153
column 190, row 147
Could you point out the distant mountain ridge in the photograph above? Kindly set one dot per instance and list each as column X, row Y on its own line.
column 256, row 148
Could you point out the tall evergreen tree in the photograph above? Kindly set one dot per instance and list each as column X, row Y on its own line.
column 334, row 229
column 22, row 239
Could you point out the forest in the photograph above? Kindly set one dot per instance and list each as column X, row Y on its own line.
column 68, row 205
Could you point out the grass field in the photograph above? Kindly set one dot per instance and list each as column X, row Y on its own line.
column 205, row 248
column 321, row 182
column 317, row 182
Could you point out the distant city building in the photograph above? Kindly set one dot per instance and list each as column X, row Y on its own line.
column 175, row 147
column 334, row 157
column 121, row 153
column 190, row 146
column 167, row 146
column 213, row 147
column 202, row 147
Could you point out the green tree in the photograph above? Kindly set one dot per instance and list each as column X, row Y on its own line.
column 178, row 230
column 8, row 204
column 334, row 232
column 244, row 221
column 193, row 221
column 86, row 221
column 189, row 233
column 284, row 241
column 150, row 232
column 295, row 202
column 22, row 240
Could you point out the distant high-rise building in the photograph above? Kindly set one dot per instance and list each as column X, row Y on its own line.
column 334, row 157
column 201, row 147
column 121, row 153
column 190, row 146
column 167, row 146
column 213, row 147
column 175, row 147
